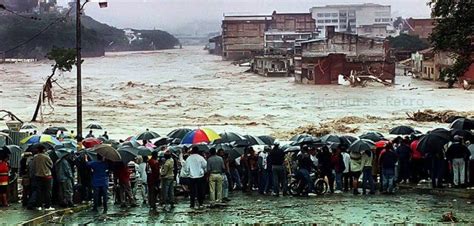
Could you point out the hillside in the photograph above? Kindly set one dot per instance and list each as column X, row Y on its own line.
column 97, row 38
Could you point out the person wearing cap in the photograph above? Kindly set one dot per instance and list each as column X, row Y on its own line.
column 167, row 181
column 215, row 168
column 196, row 165
column 457, row 154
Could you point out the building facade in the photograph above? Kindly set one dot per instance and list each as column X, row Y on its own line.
column 373, row 19
column 421, row 28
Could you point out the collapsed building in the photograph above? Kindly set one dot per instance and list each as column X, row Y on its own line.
column 357, row 59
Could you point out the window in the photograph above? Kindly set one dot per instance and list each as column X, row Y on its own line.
column 386, row 19
column 327, row 15
column 343, row 26
column 343, row 14
column 327, row 21
column 352, row 20
column 352, row 13
column 377, row 20
column 320, row 27
column 343, row 20
column 334, row 21
column 334, row 14
column 320, row 21
column 320, row 15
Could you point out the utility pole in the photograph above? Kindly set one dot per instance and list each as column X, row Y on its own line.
column 78, row 68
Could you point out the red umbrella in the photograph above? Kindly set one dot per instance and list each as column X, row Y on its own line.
column 91, row 142
column 381, row 144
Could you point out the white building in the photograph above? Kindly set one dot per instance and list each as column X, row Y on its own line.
column 364, row 19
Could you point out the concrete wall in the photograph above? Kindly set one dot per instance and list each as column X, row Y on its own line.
column 299, row 22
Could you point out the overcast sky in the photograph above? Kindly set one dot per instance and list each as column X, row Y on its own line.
column 172, row 14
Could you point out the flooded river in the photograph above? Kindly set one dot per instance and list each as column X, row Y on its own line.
column 129, row 92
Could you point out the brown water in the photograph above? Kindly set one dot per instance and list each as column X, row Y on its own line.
column 129, row 92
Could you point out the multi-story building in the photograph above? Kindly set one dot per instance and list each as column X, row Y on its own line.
column 294, row 22
column 243, row 35
column 372, row 20
column 420, row 27
column 282, row 42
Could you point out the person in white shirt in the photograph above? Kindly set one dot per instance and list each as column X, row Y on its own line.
column 196, row 165
column 346, row 177
column 142, row 177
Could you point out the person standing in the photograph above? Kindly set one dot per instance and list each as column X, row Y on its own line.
column 25, row 177
column 43, row 165
column 387, row 161
column 458, row 154
column 66, row 179
column 4, row 171
column 90, row 134
column 346, row 174
column 277, row 160
column 366, row 162
column 100, row 182
column 196, row 165
column 153, row 179
column 305, row 166
column 416, row 161
column 253, row 169
column 225, row 175
column 265, row 171
column 338, row 162
column 404, row 153
column 105, row 135
column 356, row 169
column 326, row 167
column 126, row 194
column 215, row 168
column 142, row 181
column 167, row 181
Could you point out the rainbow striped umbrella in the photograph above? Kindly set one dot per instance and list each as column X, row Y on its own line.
column 200, row 136
column 35, row 139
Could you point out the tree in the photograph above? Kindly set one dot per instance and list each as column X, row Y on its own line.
column 407, row 43
column 454, row 32
column 64, row 59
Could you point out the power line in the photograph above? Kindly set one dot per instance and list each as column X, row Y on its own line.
column 40, row 32
column 17, row 14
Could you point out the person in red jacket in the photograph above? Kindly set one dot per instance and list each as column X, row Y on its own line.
column 4, row 169
column 153, row 180
column 417, row 161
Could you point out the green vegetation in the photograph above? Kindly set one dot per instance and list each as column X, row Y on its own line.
column 406, row 42
column 454, row 32
column 96, row 37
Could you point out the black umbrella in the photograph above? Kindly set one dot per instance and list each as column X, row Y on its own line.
column 268, row 140
column 241, row 143
column 307, row 141
column 235, row 152
column 92, row 155
column 466, row 135
column 126, row 155
column 34, row 147
column 361, row 146
column 253, row 140
column 373, row 136
column 299, row 136
column 330, row 138
column 226, row 147
column 432, row 143
column 202, row 147
column 144, row 151
column 29, row 126
column 94, row 126
column 57, row 154
column 402, row 130
column 179, row 133
column 351, row 139
column 446, row 134
column 463, row 124
column 4, row 151
column 148, row 135
column 176, row 149
column 132, row 143
column 227, row 137
column 291, row 149
column 14, row 156
column 54, row 130
column 163, row 141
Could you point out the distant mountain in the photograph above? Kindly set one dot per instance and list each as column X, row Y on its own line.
column 97, row 38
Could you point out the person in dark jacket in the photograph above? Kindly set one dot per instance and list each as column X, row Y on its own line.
column 457, row 154
column 404, row 153
column 388, row 159
column 337, row 161
column 66, row 180
column 305, row 166
column 326, row 167
column 100, row 182
column 277, row 160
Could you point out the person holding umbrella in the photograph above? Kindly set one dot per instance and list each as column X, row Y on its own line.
column 66, row 180
column 100, row 181
column 388, row 159
column 215, row 168
column 4, row 170
column 457, row 154
column 167, row 181
column 153, row 179
column 42, row 166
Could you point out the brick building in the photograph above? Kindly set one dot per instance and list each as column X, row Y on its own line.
column 295, row 22
column 321, row 61
column 421, row 28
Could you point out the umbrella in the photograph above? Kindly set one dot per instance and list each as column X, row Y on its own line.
column 202, row 147
column 467, row 135
column 69, row 144
column 4, row 151
column 351, row 139
column 307, row 140
column 225, row 146
column 127, row 155
column 227, row 137
column 33, row 148
column 178, row 133
column 132, row 143
column 292, row 149
column 108, row 152
column 235, row 152
column 199, row 136
column 268, row 140
column 130, row 138
column 29, row 126
column 94, row 126
column 163, row 141
column 361, row 146
column 176, row 149
column 329, row 138
column 54, row 130
column 34, row 139
column 402, row 130
column 147, row 135
column 253, row 140
column 446, row 134
column 373, row 136
column 14, row 156
column 381, row 144
column 471, row 149
column 144, row 151
column 432, row 143
column 90, row 153
column 91, row 142
column 57, row 154
column 299, row 136
column 462, row 123
column 115, row 144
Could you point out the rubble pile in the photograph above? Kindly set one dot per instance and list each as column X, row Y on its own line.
column 317, row 130
column 430, row 115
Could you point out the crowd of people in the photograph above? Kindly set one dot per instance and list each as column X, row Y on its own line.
column 196, row 174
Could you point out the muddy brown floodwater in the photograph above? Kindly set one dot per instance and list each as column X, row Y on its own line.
column 162, row 90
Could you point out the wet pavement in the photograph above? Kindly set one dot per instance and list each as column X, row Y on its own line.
column 402, row 208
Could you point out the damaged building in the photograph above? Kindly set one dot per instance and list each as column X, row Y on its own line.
column 323, row 60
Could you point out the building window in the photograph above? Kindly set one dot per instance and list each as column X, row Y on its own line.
column 327, row 21
column 327, row 15
column 334, row 21
column 352, row 20
column 320, row 21
column 320, row 15
column 320, row 27
column 342, row 20
column 343, row 26
column 352, row 13
column 343, row 14
column 378, row 19
column 334, row 15
column 386, row 19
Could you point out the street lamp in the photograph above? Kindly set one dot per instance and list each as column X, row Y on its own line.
column 79, row 7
